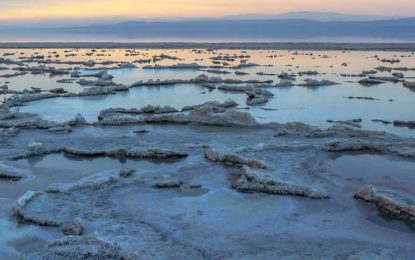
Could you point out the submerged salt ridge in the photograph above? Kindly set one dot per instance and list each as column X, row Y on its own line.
column 135, row 154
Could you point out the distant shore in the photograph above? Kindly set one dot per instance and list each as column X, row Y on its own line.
column 229, row 45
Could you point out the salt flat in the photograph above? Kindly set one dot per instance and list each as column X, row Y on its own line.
column 199, row 150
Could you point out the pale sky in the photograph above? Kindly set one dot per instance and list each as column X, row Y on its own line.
column 20, row 10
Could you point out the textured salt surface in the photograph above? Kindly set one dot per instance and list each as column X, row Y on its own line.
column 225, row 179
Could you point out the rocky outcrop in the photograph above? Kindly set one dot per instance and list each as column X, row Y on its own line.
column 150, row 109
column 212, row 155
column 302, row 129
column 28, row 121
column 9, row 174
column 207, row 116
column 19, row 99
column 294, row 147
column 388, row 203
column 16, row 120
column 201, row 79
column 9, row 132
column 408, row 84
column 96, row 91
column 210, row 113
column 102, row 75
column 285, row 83
column 249, row 182
column 392, row 61
column 317, row 83
column 233, row 159
column 403, row 149
column 229, row 103
column 58, row 91
column 127, row 172
column 36, row 149
column 167, row 184
column 370, row 82
column 352, row 145
column 308, row 73
column 258, row 96
column 21, row 207
column 193, row 66
column 12, row 75
column 5, row 90
column 159, row 82
column 286, row 76
column 60, row 129
column 96, row 83
column 126, row 65
column 305, row 130
column 75, row 228
column 385, row 79
column 42, row 69
column 76, row 247
column 6, row 113
column 78, row 120
column 401, row 123
column 92, row 88
column 208, row 86
column 234, row 88
column 141, row 131
column 353, row 122
column 127, row 153
column 362, row 98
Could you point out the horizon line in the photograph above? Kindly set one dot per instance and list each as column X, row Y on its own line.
column 301, row 46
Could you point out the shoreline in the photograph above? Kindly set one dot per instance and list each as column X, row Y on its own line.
column 315, row 46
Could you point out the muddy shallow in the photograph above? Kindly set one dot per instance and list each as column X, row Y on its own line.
column 219, row 180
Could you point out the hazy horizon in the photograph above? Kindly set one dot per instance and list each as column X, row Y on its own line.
column 208, row 20
column 308, row 15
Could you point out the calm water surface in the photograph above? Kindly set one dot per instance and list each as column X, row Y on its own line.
column 310, row 105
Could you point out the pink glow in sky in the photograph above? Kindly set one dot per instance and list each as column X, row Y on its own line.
column 73, row 9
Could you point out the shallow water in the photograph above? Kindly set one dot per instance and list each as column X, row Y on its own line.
column 176, row 95
column 58, row 168
column 44, row 82
column 378, row 170
column 311, row 105
column 391, row 223
column 381, row 171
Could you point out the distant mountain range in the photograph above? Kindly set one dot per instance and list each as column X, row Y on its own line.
column 254, row 29
column 314, row 16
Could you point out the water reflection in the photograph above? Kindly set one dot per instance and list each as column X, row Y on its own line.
column 378, row 170
column 58, row 168
column 311, row 105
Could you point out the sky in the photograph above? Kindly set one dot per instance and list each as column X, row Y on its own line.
column 28, row 10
